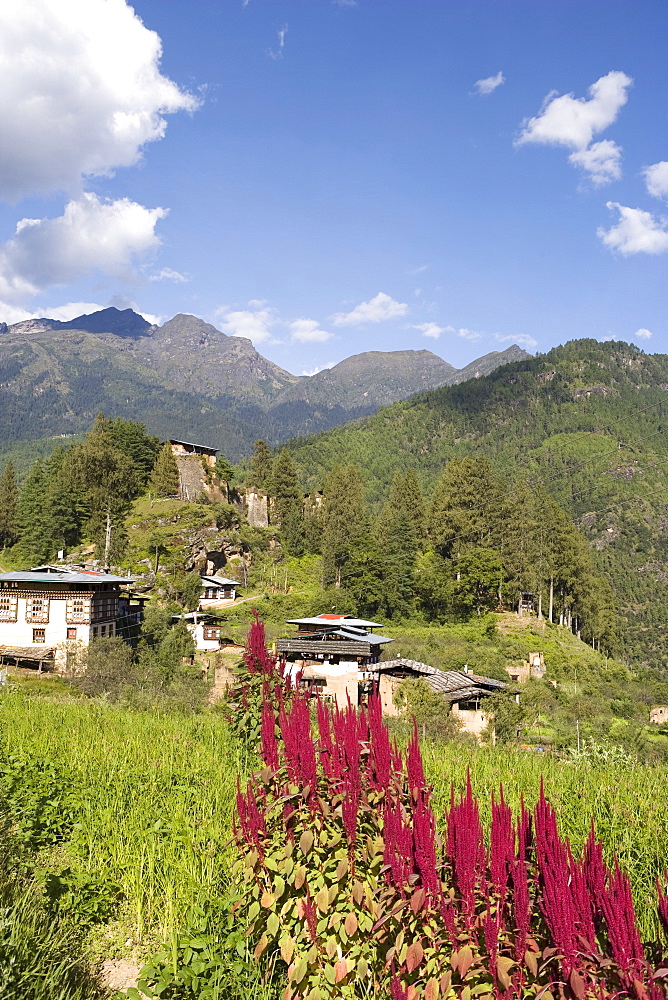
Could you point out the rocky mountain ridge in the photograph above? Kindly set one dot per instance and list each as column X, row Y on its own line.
column 187, row 378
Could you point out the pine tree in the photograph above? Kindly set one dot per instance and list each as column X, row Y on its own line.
column 34, row 546
column 9, row 497
column 141, row 448
column 345, row 522
column 107, row 482
column 467, row 507
column 406, row 495
column 164, row 481
column 287, row 508
column 260, row 465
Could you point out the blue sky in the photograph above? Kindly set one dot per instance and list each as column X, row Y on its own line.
column 332, row 177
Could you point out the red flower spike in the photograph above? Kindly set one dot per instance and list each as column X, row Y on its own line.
column 663, row 904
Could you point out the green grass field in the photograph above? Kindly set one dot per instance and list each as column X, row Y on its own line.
column 151, row 800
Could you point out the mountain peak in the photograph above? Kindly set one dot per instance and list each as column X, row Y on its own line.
column 122, row 322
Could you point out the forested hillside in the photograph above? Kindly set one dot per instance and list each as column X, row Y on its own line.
column 587, row 421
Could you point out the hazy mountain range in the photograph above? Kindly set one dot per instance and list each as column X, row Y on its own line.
column 187, row 379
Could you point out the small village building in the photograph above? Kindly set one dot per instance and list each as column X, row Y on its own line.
column 659, row 716
column 205, row 630
column 533, row 667
column 218, row 590
column 182, row 448
column 333, row 653
column 47, row 611
column 464, row 691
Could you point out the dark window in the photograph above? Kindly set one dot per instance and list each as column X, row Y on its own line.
column 211, row 633
column 39, row 635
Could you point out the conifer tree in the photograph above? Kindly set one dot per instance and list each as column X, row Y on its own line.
column 287, row 508
column 9, row 496
column 107, row 482
column 345, row 522
column 260, row 465
column 467, row 507
column 164, row 481
column 33, row 529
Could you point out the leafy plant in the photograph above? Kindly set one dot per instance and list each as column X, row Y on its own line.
column 349, row 884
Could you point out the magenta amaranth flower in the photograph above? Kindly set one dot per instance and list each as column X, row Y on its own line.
column 268, row 736
column 466, row 849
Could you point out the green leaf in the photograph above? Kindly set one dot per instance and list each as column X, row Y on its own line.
column 273, row 924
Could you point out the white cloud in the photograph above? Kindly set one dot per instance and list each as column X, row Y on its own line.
column 253, row 324
column 168, row 274
column 602, row 161
column 522, row 339
column 419, row 270
column 81, row 93
column 489, row 84
column 643, row 334
column 656, row 179
column 319, row 368
column 574, row 121
column 92, row 233
column 434, row 331
column 307, row 331
column 431, row 329
column 636, row 232
column 280, row 34
column 378, row 309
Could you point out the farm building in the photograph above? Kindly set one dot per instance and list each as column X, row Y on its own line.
column 47, row 610
column 332, row 652
column 205, row 630
column 218, row 590
column 464, row 691
column 339, row 656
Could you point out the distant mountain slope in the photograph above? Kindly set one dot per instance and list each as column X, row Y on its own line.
column 188, row 379
column 588, row 420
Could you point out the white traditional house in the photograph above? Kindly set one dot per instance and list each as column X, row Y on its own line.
column 218, row 590
column 205, row 630
column 48, row 610
column 333, row 653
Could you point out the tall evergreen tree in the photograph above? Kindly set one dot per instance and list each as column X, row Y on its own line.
column 33, row 529
column 345, row 522
column 287, row 507
column 141, row 448
column 164, row 481
column 467, row 507
column 9, row 498
column 107, row 481
column 260, row 465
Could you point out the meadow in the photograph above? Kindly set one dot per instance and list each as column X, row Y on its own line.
column 132, row 812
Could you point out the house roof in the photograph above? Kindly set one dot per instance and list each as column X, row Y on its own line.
column 61, row 574
column 334, row 620
column 220, row 581
column 199, row 617
column 357, row 635
column 454, row 685
column 191, row 444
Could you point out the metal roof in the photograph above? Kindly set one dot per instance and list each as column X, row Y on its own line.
column 220, row 581
column 191, row 444
column 454, row 685
column 61, row 574
column 334, row 620
column 373, row 640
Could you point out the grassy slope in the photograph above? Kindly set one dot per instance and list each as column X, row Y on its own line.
column 153, row 795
